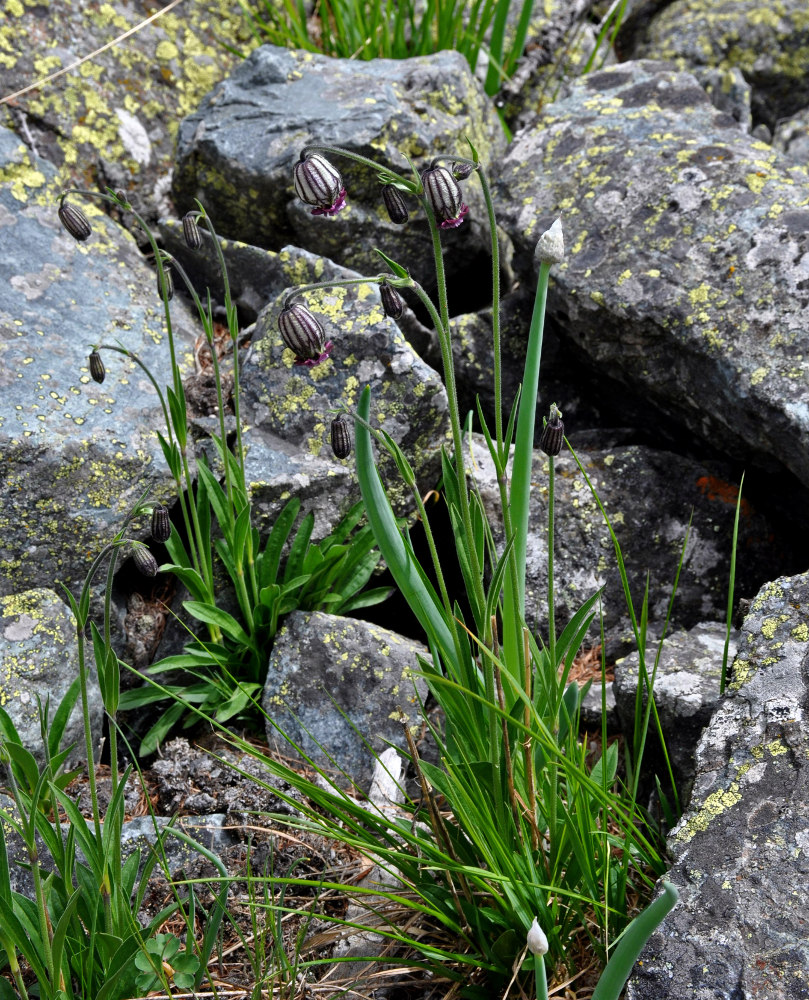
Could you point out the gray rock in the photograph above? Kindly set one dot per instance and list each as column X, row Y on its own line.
column 113, row 120
column 649, row 496
column 729, row 92
column 39, row 657
column 236, row 153
column 741, row 851
column 791, row 137
column 289, row 409
column 687, row 264
column 768, row 44
column 337, row 687
column 76, row 455
column 686, row 689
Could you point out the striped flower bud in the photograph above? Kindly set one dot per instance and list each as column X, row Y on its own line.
column 191, row 233
column 392, row 301
column 553, row 433
column 303, row 335
column 97, row 370
column 318, row 183
column 340, row 437
column 161, row 523
column 144, row 561
column 169, row 282
column 460, row 171
column 395, row 204
column 444, row 196
column 74, row 222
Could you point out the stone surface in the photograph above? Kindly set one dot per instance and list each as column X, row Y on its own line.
column 112, row 121
column 649, row 496
column 687, row 255
column 340, row 688
column 741, row 851
column 289, row 408
column 39, row 658
column 769, row 43
column 236, row 153
column 686, row 688
column 76, row 455
column 791, row 137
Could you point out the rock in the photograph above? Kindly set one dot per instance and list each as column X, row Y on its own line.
column 792, row 138
column 687, row 264
column 768, row 44
column 289, row 409
column 236, row 153
column 76, row 455
column 39, row 658
column 741, row 851
column 337, row 687
column 686, row 689
column 649, row 496
column 729, row 92
column 112, row 121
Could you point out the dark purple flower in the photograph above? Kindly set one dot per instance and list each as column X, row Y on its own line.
column 395, row 204
column 145, row 561
column 74, row 221
column 340, row 437
column 553, row 433
column 444, row 196
column 97, row 370
column 191, row 233
column 303, row 335
column 318, row 183
column 161, row 523
column 391, row 301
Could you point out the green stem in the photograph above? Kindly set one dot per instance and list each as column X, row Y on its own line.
column 541, row 977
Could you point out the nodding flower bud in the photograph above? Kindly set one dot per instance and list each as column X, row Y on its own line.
column 121, row 195
column 551, row 246
column 553, row 433
column 191, row 233
column 395, row 204
column 303, row 335
column 161, row 523
column 392, row 301
column 340, row 437
column 460, row 171
column 145, row 561
column 169, row 282
column 536, row 940
column 318, row 183
column 74, row 222
column 444, row 196
column 97, row 370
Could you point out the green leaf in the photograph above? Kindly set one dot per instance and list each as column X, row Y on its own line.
column 212, row 615
column 397, row 269
column 270, row 558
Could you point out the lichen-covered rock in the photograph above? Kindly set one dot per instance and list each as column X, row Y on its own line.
column 236, row 153
column 289, row 408
column 741, row 851
column 769, row 43
column 791, row 137
column 649, row 496
column 39, row 657
column 76, row 454
column 339, row 686
column 113, row 120
column 687, row 267
column 686, row 689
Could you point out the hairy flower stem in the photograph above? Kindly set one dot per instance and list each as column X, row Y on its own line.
column 553, row 684
column 528, row 747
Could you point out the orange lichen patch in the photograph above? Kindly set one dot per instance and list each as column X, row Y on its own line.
column 718, row 489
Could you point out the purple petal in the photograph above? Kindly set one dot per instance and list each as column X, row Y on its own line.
column 454, row 223
column 314, row 362
column 339, row 204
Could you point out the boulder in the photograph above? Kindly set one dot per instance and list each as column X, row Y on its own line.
column 687, row 263
column 289, row 408
column 76, row 454
column 768, row 43
column 112, row 120
column 237, row 151
column 741, row 851
column 340, row 689
column 649, row 496
column 39, row 659
column 686, row 678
